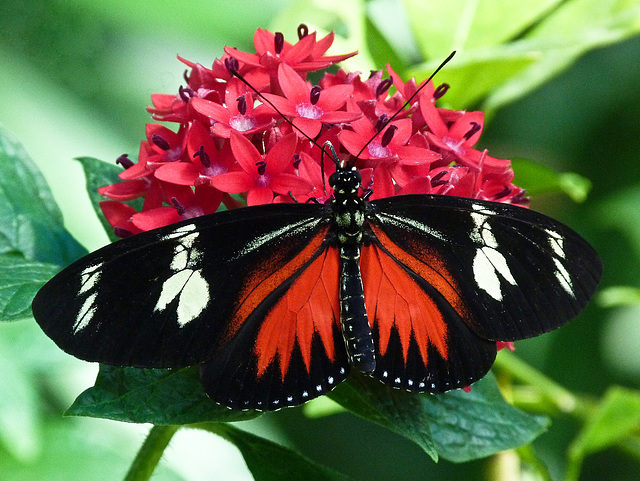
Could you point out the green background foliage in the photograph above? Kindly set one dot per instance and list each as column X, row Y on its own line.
column 558, row 80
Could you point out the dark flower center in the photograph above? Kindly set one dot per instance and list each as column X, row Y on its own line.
column 185, row 93
column 388, row 135
column 231, row 65
column 440, row 91
column 314, row 96
column 278, row 42
column 160, row 142
column 242, row 105
column 124, row 161
column 262, row 167
column 179, row 207
column 437, row 179
column 204, row 157
column 475, row 127
column 383, row 86
column 382, row 121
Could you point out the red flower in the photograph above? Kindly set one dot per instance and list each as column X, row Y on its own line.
column 229, row 140
column 309, row 106
column 262, row 175
column 237, row 113
column 272, row 50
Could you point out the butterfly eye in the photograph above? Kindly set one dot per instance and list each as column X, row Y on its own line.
column 333, row 178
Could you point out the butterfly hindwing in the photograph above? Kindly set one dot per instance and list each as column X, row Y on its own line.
column 475, row 272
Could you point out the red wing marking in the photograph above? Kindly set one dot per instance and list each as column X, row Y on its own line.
column 267, row 277
column 394, row 299
column 310, row 306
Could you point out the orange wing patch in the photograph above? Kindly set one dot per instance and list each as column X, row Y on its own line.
column 309, row 307
column 394, row 299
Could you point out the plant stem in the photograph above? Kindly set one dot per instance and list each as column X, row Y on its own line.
column 150, row 453
column 561, row 398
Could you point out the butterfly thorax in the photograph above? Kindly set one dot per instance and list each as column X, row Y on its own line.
column 348, row 207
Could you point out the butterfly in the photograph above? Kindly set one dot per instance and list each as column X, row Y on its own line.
column 277, row 303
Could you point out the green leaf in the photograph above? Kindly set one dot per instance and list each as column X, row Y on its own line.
column 456, row 425
column 30, row 221
column 538, row 179
column 394, row 409
column 20, row 433
column 472, row 76
column 615, row 296
column 574, row 29
column 480, row 423
column 269, row 461
column 441, row 27
column 99, row 174
column 20, row 279
column 617, row 416
column 157, row 396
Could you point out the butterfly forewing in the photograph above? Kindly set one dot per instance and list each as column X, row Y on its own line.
column 171, row 297
column 518, row 273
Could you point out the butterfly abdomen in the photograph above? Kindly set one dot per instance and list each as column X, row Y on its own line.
column 353, row 315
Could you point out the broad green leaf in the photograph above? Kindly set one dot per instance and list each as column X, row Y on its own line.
column 30, row 221
column 157, row 396
column 397, row 410
column 473, row 75
column 617, row 416
column 441, row 27
column 456, row 425
column 619, row 296
column 20, row 433
column 20, row 279
column 269, row 461
column 538, row 179
column 467, row 426
column 80, row 451
column 99, row 174
column 576, row 27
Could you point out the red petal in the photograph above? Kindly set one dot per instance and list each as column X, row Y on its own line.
column 245, row 153
column 233, row 182
column 119, row 214
column 311, row 127
column 285, row 183
column 182, row 173
column 259, row 196
column 280, row 156
column 131, row 189
column 292, row 85
column 210, row 109
column 461, row 126
column 152, row 219
column 332, row 98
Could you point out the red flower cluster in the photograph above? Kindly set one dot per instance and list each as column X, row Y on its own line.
column 230, row 140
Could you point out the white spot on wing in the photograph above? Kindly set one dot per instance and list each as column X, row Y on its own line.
column 87, row 311
column 488, row 261
column 563, row 277
column 404, row 222
column 192, row 292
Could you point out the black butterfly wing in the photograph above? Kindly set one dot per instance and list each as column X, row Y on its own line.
column 475, row 272
column 210, row 290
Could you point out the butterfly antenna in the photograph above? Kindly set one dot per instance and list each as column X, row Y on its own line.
column 408, row 102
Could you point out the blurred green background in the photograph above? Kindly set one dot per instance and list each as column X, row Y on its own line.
column 76, row 76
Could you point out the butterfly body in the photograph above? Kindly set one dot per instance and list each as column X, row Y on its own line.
column 277, row 302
